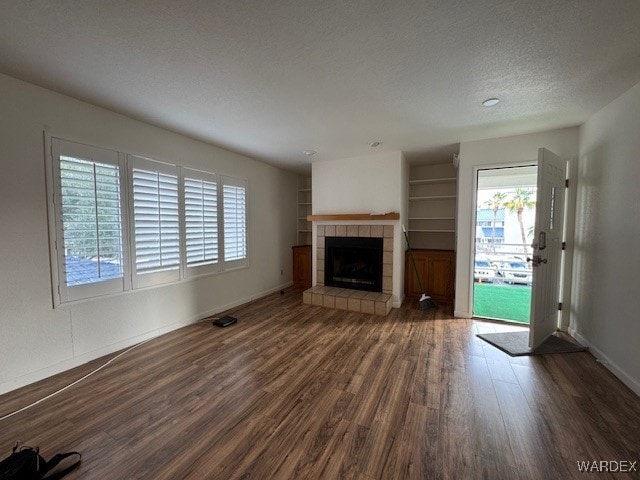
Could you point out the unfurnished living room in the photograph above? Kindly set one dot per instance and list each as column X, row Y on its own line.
column 315, row 239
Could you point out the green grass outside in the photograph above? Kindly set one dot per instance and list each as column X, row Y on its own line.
column 507, row 302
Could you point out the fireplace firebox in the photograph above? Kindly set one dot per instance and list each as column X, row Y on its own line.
column 353, row 262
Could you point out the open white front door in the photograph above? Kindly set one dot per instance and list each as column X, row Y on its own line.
column 547, row 246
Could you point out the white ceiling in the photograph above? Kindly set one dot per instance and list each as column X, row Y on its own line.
column 271, row 78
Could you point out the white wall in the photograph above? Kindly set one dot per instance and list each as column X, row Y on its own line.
column 369, row 184
column 37, row 341
column 487, row 153
column 605, row 309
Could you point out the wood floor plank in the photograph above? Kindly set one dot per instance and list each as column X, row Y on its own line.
column 298, row 391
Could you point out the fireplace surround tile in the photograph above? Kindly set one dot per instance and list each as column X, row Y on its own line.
column 358, row 294
column 341, row 303
column 377, row 231
column 352, row 230
column 306, row 297
column 353, row 304
column 367, row 306
column 387, row 284
column 364, row 231
column 342, row 298
column 354, row 300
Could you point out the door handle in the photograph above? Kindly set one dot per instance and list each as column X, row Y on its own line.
column 536, row 260
column 542, row 241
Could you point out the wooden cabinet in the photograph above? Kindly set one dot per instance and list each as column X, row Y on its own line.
column 437, row 273
column 302, row 265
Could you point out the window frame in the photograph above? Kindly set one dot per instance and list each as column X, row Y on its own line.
column 161, row 276
column 62, row 293
column 236, row 182
column 217, row 266
column 131, row 280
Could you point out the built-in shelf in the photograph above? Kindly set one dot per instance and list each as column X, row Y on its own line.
column 304, row 209
column 432, row 206
column 432, row 180
column 433, row 197
column 354, row 216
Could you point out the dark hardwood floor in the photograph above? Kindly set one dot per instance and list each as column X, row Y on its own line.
column 297, row 391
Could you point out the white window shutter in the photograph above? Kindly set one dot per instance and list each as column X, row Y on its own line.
column 234, row 202
column 156, row 224
column 200, row 222
column 89, row 220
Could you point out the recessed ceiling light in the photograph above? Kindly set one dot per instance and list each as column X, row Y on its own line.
column 308, row 153
column 490, row 102
column 374, row 144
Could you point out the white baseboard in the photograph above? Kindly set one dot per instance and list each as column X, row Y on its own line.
column 459, row 314
column 76, row 361
column 242, row 301
column 624, row 377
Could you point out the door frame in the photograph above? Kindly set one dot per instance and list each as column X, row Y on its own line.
column 474, row 207
column 566, row 272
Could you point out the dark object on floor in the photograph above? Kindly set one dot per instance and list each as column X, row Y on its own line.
column 25, row 463
column 516, row 344
column 225, row 321
column 425, row 302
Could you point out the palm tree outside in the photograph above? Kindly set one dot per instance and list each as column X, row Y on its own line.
column 519, row 201
column 495, row 203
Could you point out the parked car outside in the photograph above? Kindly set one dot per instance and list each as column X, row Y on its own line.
column 516, row 271
column 483, row 271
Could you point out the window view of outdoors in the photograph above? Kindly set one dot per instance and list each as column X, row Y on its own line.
column 505, row 219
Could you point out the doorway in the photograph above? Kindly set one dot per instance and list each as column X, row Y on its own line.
column 504, row 229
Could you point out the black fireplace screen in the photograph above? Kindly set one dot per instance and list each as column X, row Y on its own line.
column 353, row 262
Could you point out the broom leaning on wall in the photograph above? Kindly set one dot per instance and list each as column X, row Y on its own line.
column 425, row 302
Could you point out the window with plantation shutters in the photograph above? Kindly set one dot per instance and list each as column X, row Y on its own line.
column 200, row 221
column 88, row 218
column 119, row 222
column 156, row 224
column 234, row 199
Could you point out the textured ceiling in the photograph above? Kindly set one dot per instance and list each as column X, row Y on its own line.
column 272, row 78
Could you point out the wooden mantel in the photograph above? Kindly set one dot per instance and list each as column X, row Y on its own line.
column 353, row 216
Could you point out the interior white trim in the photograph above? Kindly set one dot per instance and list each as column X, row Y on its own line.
column 472, row 219
column 622, row 375
column 76, row 361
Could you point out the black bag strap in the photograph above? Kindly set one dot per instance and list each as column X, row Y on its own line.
column 55, row 460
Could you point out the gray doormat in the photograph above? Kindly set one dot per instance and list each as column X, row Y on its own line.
column 516, row 344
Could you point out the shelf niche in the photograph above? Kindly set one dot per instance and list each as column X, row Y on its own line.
column 304, row 210
column 432, row 206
